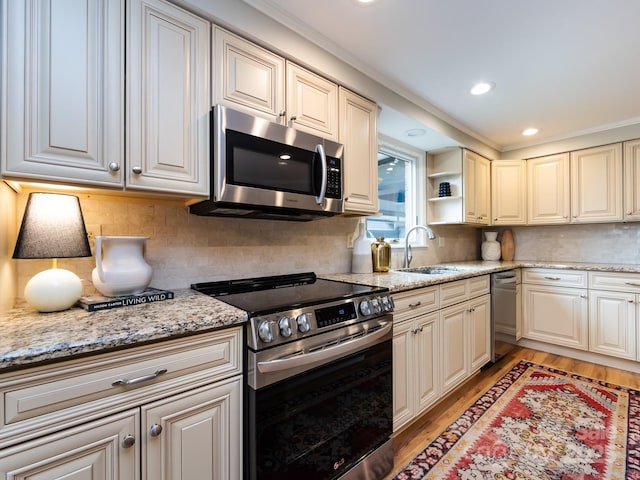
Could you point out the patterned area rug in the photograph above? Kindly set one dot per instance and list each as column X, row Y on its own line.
column 539, row 423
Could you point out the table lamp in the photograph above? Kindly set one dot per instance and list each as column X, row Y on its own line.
column 52, row 227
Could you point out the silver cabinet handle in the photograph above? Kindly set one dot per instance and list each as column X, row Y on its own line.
column 144, row 378
column 631, row 300
column 128, row 441
column 293, row 118
column 584, row 296
column 137, row 169
column 552, row 278
column 155, row 430
column 414, row 305
column 114, row 166
column 633, row 284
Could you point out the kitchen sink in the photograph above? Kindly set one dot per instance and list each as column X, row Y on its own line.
column 431, row 270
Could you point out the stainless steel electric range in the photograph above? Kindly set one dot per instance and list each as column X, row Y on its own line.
column 318, row 377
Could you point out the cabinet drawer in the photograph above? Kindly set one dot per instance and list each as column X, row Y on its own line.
column 552, row 276
column 452, row 293
column 60, row 394
column 416, row 302
column 478, row 286
column 618, row 282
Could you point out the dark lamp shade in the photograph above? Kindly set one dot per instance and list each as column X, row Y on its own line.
column 52, row 227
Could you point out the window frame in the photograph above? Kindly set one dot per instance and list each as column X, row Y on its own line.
column 415, row 199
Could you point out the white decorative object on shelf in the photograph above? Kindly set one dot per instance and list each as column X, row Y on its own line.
column 490, row 248
column 120, row 266
column 362, row 259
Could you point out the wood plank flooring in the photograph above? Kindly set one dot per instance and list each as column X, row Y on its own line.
column 411, row 441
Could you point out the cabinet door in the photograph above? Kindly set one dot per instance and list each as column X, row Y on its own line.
column 63, row 97
column 168, row 52
column 200, row 435
column 92, row 451
column 248, row 77
column 359, row 134
column 403, row 373
column 312, row 102
column 612, row 323
column 476, row 195
column 509, row 192
column 555, row 315
column 632, row 181
column 454, row 354
column 426, row 361
column 596, row 184
column 548, row 189
column 479, row 331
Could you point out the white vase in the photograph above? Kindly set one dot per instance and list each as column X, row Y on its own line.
column 490, row 248
column 120, row 266
column 362, row 259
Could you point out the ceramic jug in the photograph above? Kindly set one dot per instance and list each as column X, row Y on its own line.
column 120, row 266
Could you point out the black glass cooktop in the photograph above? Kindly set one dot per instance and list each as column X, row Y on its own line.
column 263, row 295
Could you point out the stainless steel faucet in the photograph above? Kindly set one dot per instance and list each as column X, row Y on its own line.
column 407, row 247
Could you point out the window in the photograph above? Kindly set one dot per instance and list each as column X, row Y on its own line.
column 401, row 187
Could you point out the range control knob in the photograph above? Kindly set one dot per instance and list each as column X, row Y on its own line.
column 264, row 332
column 365, row 307
column 375, row 305
column 284, row 324
column 387, row 303
column 303, row 323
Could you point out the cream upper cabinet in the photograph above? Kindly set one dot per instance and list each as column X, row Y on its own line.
column 62, row 103
column 596, row 184
column 168, row 58
column 255, row 80
column 632, row 181
column 476, row 193
column 548, row 185
column 469, row 177
column 509, row 192
column 312, row 102
column 248, row 77
column 359, row 134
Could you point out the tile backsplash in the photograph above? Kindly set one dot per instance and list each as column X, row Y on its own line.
column 184, row 248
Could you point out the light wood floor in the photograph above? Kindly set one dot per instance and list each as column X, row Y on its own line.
column 408, row 443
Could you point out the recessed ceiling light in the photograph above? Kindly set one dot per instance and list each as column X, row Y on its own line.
column 482, row 87
column 530, row 131
column 364, row 2
column 415, row 132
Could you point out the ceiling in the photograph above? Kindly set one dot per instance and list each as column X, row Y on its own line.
column 567, row 67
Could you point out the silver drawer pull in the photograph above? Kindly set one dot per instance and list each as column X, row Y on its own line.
column 552, row 278
column 128, row 441
column 144, row 378
column 414, row 305
column 633, row 284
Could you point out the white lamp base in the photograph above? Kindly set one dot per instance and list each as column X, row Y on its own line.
column 53, row 290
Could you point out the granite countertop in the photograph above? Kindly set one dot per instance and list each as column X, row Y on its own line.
column 30, row 338
column 399, row 280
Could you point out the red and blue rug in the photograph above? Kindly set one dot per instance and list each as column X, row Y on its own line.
column 539, row 423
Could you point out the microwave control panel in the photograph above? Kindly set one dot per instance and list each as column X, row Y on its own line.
column 334, row 178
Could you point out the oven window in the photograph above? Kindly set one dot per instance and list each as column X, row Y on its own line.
column 317, row 425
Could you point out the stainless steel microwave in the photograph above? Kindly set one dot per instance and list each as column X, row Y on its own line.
column 262, row 169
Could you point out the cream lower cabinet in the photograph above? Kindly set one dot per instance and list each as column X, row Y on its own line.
column 415, row 354
column 555, row 307
column 465, row 329
column 171, row 410
column 614, row 313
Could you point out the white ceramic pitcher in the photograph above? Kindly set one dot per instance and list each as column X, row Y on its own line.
column 120, row 266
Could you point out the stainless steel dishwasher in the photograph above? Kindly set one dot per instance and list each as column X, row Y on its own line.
column 505, row 312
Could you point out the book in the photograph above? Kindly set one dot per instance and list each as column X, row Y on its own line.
column 93, row 303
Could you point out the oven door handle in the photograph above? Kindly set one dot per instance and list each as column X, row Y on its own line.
column 329, row 353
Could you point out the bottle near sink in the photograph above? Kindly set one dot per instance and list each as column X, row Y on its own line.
column 381, row 253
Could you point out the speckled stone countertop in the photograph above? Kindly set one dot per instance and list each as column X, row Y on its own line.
column 29, row 337
column 398, row 280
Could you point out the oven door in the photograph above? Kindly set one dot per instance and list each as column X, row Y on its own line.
column 320, row 423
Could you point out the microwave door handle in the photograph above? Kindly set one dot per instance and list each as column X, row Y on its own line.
column 323, row 187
